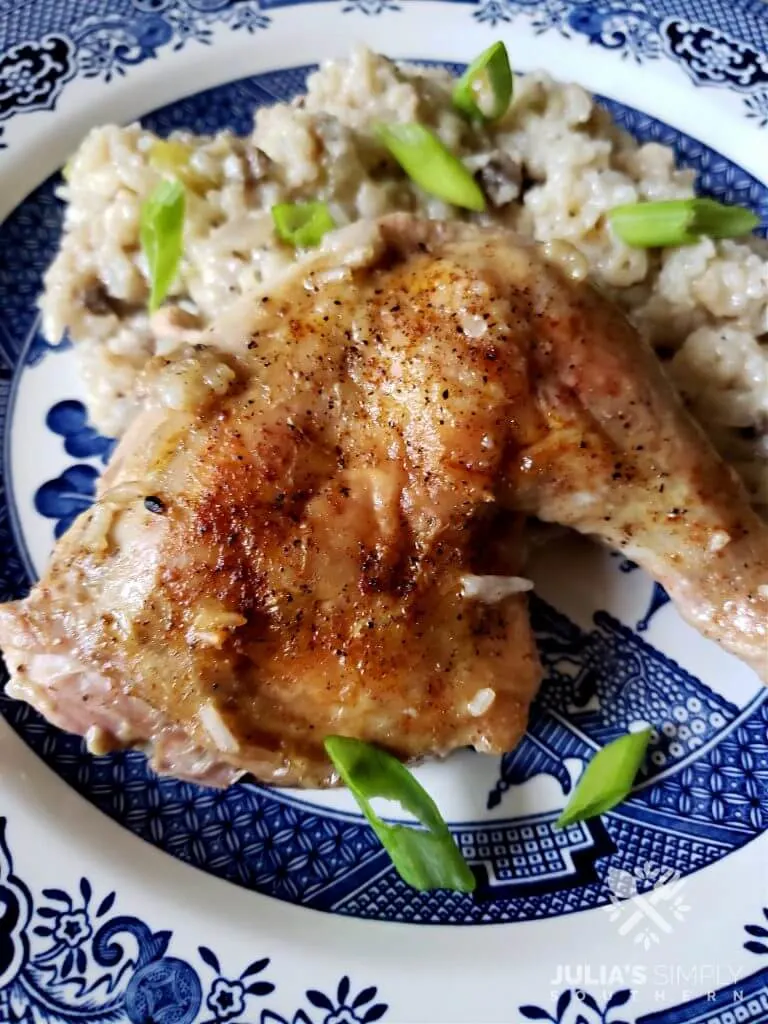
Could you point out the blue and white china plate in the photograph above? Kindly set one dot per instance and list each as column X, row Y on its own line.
column 124, row 897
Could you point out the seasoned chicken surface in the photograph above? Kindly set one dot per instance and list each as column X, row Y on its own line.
column 293, row 538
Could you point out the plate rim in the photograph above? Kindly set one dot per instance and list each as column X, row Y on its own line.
column 746, row 5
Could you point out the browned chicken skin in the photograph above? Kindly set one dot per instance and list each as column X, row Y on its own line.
column 349, row 447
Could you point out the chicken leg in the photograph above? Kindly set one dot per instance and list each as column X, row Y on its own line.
column 293, row 539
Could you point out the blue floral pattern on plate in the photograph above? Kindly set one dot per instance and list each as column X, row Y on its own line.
column 64, row 960
column 44, row 51
column 69, row 419
column 581, row 1006
column 64, row 498
column 33, row 73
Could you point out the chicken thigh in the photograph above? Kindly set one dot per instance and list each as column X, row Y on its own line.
column 295, row 537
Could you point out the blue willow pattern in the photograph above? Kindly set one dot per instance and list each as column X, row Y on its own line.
column 706, row 771
column 64, row 959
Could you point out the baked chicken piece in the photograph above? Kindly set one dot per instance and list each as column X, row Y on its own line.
column 295, row 537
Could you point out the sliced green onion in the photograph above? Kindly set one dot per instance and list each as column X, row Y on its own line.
column 434, row 168
column 679, row 222
column 484, row 91
column 161, row 233
column 424, row 859
column 302, row 224
column 607, row 779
